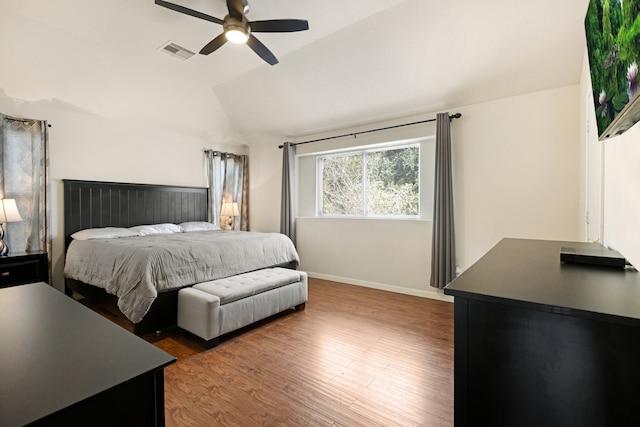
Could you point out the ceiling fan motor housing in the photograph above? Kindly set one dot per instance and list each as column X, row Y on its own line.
column 232, row 24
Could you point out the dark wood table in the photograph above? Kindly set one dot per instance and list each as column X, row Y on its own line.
column 61, row 364
column 542, row 343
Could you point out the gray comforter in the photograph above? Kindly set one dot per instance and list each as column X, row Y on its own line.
column 135, row 269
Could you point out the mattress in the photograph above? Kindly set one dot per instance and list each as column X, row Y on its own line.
column 135, row 269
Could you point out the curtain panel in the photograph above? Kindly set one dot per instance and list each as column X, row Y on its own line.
column 443, row 253
column 287, row 207
column 228, row 179
column 24, row 176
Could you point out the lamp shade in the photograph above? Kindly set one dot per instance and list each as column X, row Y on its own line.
column 9, row 211
column 229, row 209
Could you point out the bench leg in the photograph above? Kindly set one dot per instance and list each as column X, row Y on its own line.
column 300, row 307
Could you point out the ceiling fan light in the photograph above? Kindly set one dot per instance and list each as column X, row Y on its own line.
column 236, row 35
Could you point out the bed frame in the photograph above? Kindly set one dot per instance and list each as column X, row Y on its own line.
column 93, row 204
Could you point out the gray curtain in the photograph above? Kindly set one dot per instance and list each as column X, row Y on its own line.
column 443, row 253
column 24, row 176
column 287, row 210
column 228, row 176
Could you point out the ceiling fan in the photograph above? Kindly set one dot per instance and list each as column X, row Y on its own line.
column 237, row 28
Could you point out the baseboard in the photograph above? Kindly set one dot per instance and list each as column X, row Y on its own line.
column 436, row 294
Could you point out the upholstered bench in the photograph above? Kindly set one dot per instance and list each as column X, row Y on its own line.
column 211, row 309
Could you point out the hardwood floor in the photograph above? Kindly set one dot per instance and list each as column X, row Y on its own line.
column 354, row 357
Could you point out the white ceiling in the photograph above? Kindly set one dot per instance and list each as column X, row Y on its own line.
column 361, row 61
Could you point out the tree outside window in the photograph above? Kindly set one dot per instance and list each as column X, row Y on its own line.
column 376, row 183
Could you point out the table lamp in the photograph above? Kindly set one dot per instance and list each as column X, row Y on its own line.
column 8, row 213
column 230, row 210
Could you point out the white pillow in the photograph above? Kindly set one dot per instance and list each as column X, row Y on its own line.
column 147, row 230
column 103, row 233
column 197, row 226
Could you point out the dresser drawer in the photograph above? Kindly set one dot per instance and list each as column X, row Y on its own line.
column 20, row 271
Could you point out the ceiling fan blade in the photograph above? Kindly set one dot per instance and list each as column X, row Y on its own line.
column 235, row 9
column 213, row 44
column 262, row 50
column 279, row 26
column 190, row 12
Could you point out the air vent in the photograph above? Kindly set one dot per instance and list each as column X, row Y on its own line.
column 170, row 48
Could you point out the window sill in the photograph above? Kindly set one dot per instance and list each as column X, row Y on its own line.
column 365, row 218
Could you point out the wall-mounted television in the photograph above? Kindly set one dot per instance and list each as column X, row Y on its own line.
column 612, row 28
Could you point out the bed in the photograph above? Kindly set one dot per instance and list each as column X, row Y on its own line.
column 93, row 204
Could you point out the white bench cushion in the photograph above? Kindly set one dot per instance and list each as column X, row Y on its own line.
column 245, row 285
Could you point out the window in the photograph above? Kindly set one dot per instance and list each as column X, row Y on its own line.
column 374, row 183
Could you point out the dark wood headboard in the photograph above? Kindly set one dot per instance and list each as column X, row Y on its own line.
column 93, row 204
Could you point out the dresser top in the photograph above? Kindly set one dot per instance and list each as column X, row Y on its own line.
column 529, row 273
column 56, row 353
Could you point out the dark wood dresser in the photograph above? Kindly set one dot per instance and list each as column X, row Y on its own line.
column 61, row 364
column 542, row 343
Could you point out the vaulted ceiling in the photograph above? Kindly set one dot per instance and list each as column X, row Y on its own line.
column 361, row 60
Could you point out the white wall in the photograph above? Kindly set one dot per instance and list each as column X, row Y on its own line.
column 265, row 182
column 613, row 172
column 621, row 200
column 517, row 171
column 516, row 174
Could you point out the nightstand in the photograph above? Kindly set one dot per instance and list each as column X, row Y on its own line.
column 23, row 267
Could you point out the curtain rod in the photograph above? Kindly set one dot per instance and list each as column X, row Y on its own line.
column 355, row 134
column 26, row 121
column 221, row 153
